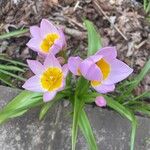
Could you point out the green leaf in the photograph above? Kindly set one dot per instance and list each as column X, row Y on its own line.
column 78, row 105
column 48, row 105
column 86, row 129
column 142, row 96
column 82, row 87
column 20, row 104
column 94, row 39
column 13, row 62
column 12, row 75
column 13, row 34
column 126, row 113
column 140, row 76
column 6, row 79
column 11, row 68
column 142, row 110
column 131, row 85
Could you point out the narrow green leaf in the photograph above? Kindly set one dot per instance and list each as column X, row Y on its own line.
column 126, row 113
column 82, row 87
column 142, row 96
column 136, row 80
column 86, row 129
column 148, row 8
column 6, row 79
column 13, row 75
column 78, row 105
column 94, row 39
column 13, row 34
column 14, row 62
column 145, row 4
column 48, row 105
column 20, row 104
column 133, row 132
column 11, row 68
column 142, row 110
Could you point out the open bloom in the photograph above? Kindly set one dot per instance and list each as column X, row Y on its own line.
column 100, row 101
column 47, row 38
column 49, row 78
column 102, row 69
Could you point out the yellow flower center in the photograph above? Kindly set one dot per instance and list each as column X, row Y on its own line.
column 48, row 42
column 105, row 69
column 78, row 71
column 52, row 79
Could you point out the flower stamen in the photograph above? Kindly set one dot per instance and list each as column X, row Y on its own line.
column 48, row 42
column 52, row 79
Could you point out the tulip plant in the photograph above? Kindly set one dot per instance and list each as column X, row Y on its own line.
column 82, row 81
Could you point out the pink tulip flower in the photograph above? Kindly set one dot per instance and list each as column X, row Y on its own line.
column 46, row 39
column 49, row 78
column 103, row 69
column 100, row 101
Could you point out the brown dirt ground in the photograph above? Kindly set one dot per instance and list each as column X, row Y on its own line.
column 121, row 23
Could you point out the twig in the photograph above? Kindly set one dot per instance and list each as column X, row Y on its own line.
column 76, row 5
column 105, row 15
column 75, row 22
column 75, row 33
column 141, row 44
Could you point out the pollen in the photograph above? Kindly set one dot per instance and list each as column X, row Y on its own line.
column 78, row 71
column 95, row 83
column 48, row 42
column 104, row 67
column 52, row 79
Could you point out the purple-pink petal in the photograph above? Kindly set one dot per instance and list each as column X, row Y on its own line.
column 108, row 52
column 58, row 45
column 65, row 70
column 34, row 44
column 35, row 31
column 63, row 86
column 90, row 70
column 48, row 96
column 73, row 64
column 47, row 27
column 100, row 101
column 102, row 88
column 51, row 61
column 119, row 71
column 35, row 66
column 33, row 84
column 62, row 36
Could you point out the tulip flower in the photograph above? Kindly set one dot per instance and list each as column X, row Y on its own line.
column 47, row 38
column 49, row 78
column 103, row 69
column 100, row 101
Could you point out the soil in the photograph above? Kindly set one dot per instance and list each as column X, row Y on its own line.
column 121, row 23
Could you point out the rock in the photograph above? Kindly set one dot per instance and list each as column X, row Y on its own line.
column 28, row 133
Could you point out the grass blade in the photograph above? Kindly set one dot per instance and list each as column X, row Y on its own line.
column 87, row 130
column 126, row 113
column 13, row 75
column 13, row 34
column 14, row 62
column 78, row 104
column 6, row 79
column 11, row 68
